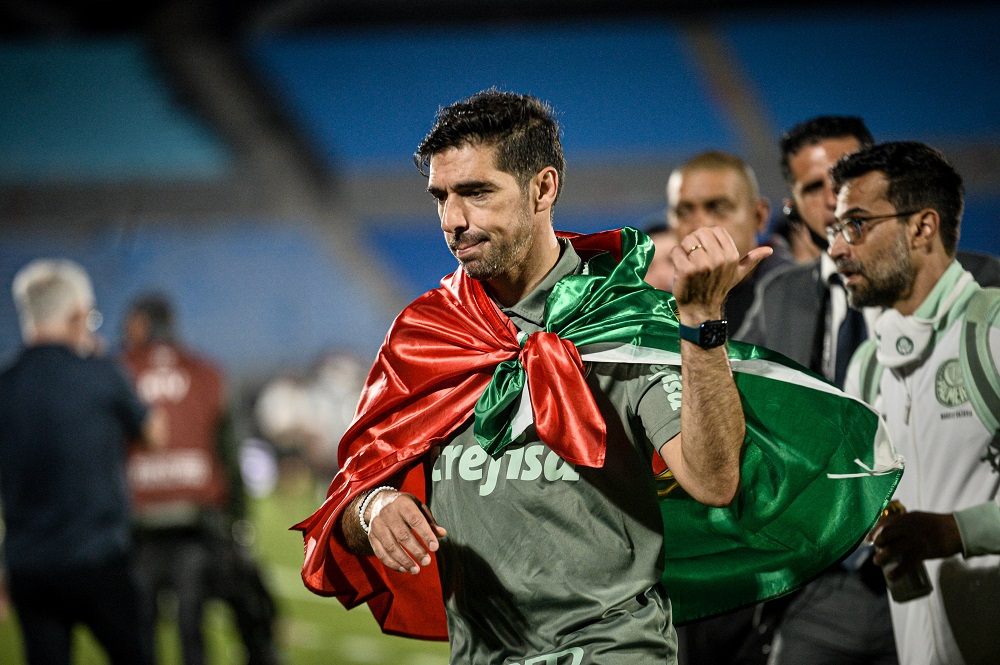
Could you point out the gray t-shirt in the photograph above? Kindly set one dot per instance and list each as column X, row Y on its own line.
column 550, row 563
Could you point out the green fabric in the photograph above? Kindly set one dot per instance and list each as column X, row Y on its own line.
column 495, row 409
column 610, row 303
column 790, row 520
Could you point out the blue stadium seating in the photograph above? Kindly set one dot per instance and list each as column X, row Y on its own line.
column 261, row 293
column 96, row 109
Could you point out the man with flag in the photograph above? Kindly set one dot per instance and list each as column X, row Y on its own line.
column 496, row 486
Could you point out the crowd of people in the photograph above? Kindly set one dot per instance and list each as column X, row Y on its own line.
column 435, row 522
column 119, row 481
column 572, row 431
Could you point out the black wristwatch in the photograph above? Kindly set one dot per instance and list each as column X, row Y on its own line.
column 708, row 335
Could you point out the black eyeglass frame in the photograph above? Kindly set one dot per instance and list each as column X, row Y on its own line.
column 852, row 229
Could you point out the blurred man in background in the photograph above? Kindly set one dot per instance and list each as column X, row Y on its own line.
column 802, row 311
column 189, row 500
column 718, row 189
column 65, row 419
column 661, row 269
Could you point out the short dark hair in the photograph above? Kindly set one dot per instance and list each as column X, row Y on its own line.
column 919, row 177
column 522, row 128
column 818, row 129
column 159, row 312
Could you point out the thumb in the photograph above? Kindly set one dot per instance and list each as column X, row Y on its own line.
column 753, row 257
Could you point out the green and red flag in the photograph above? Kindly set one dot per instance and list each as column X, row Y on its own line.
column 817, row 468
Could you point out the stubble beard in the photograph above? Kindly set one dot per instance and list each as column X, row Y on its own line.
column 500, row 256
column 887, row 282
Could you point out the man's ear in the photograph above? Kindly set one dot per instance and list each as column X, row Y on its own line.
column 928, row 226
column 762, row 210
column 545, row 186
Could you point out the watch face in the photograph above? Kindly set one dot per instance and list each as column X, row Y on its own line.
column 713, row 333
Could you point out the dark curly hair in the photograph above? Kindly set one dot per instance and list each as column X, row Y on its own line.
column 521, row 128
column 919, row 177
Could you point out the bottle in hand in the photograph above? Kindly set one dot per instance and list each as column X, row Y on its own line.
column 915, row 583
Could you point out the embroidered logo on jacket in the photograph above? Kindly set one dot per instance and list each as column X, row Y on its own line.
column 949, row 387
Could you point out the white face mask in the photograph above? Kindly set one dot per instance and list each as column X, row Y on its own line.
column 906, row 339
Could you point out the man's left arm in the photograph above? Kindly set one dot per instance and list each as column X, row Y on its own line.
column 705, row 456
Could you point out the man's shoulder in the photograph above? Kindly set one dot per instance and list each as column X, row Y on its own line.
column 985, row 268
column 983, row 307
column 776, row 262
column 198, row 359
column 161, row 354
column 791, row 277
column 7, row 365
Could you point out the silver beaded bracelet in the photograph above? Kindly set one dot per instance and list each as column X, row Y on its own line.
column 364, row 505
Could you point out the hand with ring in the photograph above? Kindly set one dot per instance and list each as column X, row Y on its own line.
column 704, row 278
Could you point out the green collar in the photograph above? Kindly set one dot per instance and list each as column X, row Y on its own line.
column 931, row 305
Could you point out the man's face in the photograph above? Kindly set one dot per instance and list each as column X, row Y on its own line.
column 136, row 330
column 660, row 274
column 484, row 214
column 713, row 197
column 877, row 269
column 812, row 189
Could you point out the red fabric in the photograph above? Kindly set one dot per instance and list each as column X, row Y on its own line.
column 436, row 361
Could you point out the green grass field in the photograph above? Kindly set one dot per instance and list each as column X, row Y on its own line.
column 311, row 630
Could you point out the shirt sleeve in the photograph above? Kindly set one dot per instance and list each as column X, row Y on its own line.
column 979, row 527
column 658, row 402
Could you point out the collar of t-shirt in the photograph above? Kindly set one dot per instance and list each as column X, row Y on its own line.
column 531, row 308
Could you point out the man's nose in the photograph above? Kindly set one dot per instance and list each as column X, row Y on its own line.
column 694, row 220
column 829, row 196
column 452, row 216
column 838, row 246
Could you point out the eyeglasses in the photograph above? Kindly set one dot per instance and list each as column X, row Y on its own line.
column 852, row 228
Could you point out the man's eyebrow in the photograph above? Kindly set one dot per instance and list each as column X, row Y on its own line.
column 812, row 185
column 472, row 185
column 463, row 187
column 852, row 212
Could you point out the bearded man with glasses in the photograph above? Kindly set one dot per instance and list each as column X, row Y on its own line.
column 932, row 372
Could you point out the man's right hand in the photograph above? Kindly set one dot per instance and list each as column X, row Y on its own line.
column 402, row 531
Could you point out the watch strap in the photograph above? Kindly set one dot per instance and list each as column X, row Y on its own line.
column 708, row 335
